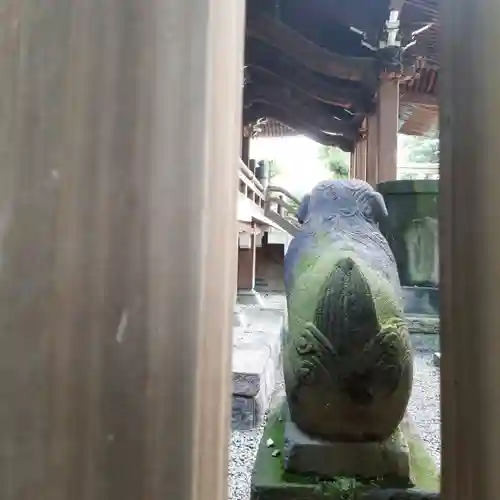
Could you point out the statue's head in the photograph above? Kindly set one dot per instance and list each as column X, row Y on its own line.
column 334, row 199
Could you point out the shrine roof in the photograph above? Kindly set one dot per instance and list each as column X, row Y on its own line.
column 313, row 67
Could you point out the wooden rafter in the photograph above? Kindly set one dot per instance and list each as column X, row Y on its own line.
column 279, row 90
column 267, row 63
column 303, row 50
column 308, row 111
column 266, row 110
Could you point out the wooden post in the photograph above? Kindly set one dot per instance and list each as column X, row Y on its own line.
column 372, row 155
column 352, row 165
column 247, row 255
column 245, row 146
column 388, row 126
column 359, row 159
column 363, row 150
column 470, row 249
column 119, row 135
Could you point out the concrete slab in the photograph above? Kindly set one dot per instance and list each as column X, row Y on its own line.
column 249, row 297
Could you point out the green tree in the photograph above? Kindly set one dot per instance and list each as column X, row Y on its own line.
column 274, row 169
column 336, row 161
column 423, row 149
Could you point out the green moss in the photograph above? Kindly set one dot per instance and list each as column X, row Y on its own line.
column 424, row 472
column 270, row 480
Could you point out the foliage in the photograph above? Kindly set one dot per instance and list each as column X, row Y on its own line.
column 423, row 149
column 335, row 161
column 274, row 169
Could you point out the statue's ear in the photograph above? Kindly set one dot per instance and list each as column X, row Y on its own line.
column 376, row 210
column 303, row 209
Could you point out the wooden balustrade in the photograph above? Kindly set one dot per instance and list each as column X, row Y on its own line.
column 250, row 186
column 273, row 199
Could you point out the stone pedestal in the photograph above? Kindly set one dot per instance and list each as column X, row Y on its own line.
column 304, row 454
column 271, row 479
column 411, row 229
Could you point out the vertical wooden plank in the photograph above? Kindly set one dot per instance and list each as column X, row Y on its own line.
column 470, row 246
column 119, row 139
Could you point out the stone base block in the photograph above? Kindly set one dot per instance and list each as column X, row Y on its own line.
column 423, row 324
column 271, row 480
column 254, row 379
column 436, row 359
column 256, row 355
column 306, row 455
column 421, row 300
column 425, row 342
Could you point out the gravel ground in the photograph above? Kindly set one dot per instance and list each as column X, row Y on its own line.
column 424, row 404
column 423, row 408
column 242, row 449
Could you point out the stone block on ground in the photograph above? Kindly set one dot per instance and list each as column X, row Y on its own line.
column 425, row 342
column 436, row 359
column 270, row 480
column 423, row 323
column 304, row 454
column 256, row 355
column 421, row 300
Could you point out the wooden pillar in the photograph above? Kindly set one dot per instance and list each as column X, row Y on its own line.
column 358, row 160
column 388, row 126
column 362, row 152
column 247, row 255
column 352, row 165
column 119, row 134
column 470, row 249
column 372, row 155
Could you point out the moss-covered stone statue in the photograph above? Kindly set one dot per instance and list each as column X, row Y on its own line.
column 347, row 359
column 347, row 356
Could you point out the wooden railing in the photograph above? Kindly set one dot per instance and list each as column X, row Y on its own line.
column 250, row 186
column 276, row 202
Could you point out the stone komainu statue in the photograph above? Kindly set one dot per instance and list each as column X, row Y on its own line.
column 347, row 354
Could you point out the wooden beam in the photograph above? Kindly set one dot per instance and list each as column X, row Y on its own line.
column 318, row 116
column 278, row 91
column 357, row 101
column 303, row 50
column 330, row 91
column 264, row 110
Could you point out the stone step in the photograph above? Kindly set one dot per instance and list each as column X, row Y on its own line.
column 256, row 359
